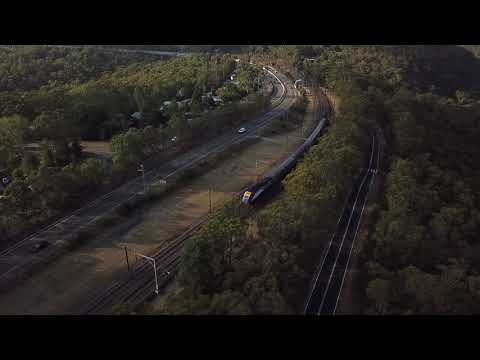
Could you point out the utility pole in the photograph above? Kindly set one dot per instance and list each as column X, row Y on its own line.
column 126, row 257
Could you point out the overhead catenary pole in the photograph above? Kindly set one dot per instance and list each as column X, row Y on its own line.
column 152, row 260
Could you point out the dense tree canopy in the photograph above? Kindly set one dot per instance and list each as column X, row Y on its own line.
column 423, row 255
column 52, row 98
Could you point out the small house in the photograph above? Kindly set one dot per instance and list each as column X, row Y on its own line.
column 165, row 106
column 217, row 100
column 5, row 180
column 184, row 103
column 137, row 116
column 139, row 119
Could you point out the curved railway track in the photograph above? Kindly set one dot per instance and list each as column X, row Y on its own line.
column 139, row 287
column 19, row 263
column 136, row 185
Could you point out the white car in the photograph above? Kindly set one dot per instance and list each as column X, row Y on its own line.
column 242, row 130
column 174, row 139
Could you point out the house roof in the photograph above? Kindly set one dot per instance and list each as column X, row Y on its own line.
column 137, row 115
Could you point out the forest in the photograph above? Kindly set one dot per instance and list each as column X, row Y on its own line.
column 422, row 255
column 183, row 48
column 64, row 96
column 262, row 264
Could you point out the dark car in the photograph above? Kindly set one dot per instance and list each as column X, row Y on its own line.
column 39, row 246
column 6, row 180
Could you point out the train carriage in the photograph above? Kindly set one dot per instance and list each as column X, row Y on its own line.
column 251, row 195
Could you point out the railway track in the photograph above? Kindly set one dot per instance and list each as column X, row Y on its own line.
column 140, row 284
column 325, row 294
column 136, row 185
column 81, row 219
column 139, row 287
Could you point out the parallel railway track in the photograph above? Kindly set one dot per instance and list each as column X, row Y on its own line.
column 325, row 294
column 80, row 219
column 139, row 287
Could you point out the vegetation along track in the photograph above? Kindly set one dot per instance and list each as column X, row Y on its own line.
column 139, row 287
column 326, row 291
column 17, row 257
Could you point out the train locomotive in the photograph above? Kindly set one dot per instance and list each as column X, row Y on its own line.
column 257, row 191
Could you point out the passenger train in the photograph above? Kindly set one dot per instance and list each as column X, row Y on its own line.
column 277, row 175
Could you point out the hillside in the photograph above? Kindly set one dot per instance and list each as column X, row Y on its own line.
column 422, row 254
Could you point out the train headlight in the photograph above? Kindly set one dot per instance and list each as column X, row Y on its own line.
column 246, row 197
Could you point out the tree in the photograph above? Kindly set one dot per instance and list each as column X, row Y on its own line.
column 20, row 197
column 379, row 291
column 127, row 149
column 47, row 158
column 204, row 262
column 52, row 126
column 178, row 126
column 139, row 97
column 12, row 136
column 93, row 172
column 30, row 163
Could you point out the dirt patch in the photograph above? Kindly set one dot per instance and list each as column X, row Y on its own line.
column 73, row 279
column 101, row 148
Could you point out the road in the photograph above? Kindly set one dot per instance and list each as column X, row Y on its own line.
column 139, row 286
column 139, row 51
column 330, row 276
column 69, row 282
column 17, row 258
